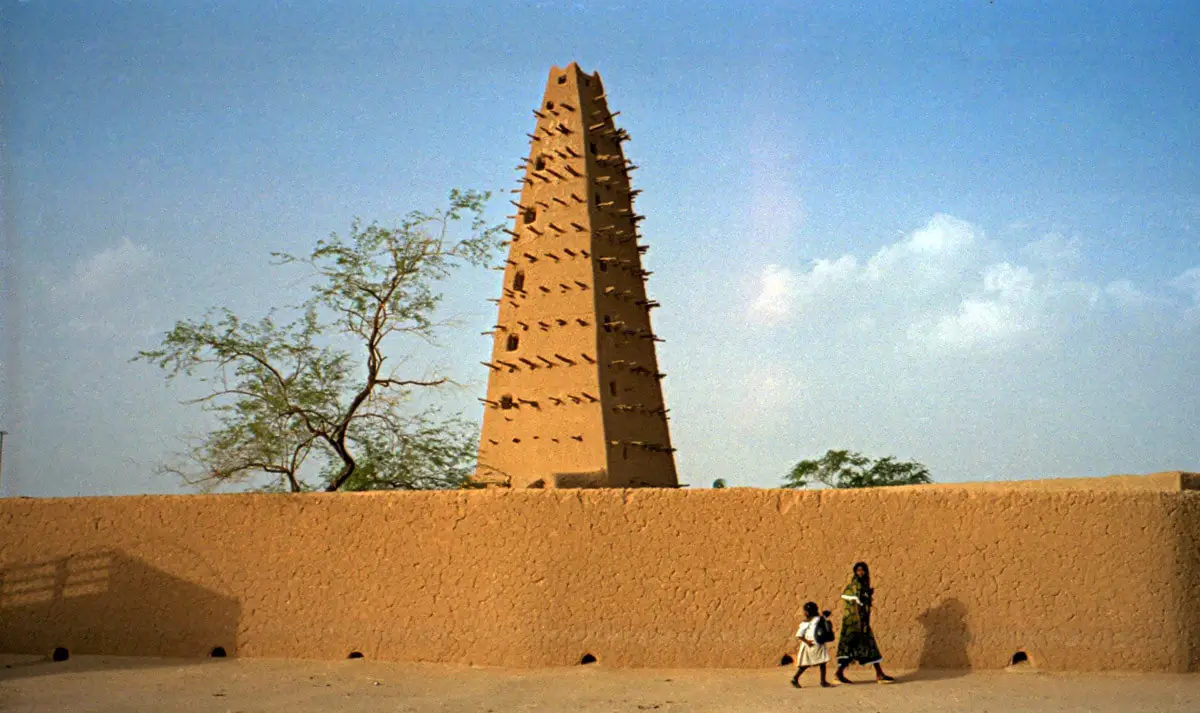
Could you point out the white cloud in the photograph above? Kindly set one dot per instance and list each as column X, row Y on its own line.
column 981, row 324
column 1189, row 282
column 105, row 292
column 774, row 301
column 943, row 235
column 1006, row 309
column 947, row 287
column 1054, row 250
column 929, row 254
column 111, row 268
column 1126, row 294
column 783, row 291
column 826, row 274
column 1009, row 281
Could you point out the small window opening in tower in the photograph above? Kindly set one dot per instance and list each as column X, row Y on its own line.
column 540, row 164
column 562, row 79
column 549, row 105
column 607, row 323
column 506, row 401
column 592, row 148
column 603, row 267
column 612, row 388
column 519, row 281
column 513, row 341
column 530, row 215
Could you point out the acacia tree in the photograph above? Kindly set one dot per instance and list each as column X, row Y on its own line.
column 845, row 469
column 289, row 402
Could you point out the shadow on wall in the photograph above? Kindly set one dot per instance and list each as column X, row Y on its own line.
column 106, row 602
column 946, row 638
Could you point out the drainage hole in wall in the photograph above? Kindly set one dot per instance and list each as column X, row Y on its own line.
column 60, row 654
column 355, row 655
column 787, row 660
column 587, row 658
column 1019, row 658
column 217, row 652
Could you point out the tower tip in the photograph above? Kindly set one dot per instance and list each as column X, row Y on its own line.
column 569, row 68
column 573, row 74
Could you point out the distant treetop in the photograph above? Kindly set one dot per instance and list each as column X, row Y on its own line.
column 847, row 469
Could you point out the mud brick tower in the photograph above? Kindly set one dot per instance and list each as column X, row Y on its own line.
column 574, row 396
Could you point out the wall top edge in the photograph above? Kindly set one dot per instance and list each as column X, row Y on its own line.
column 1166, row 482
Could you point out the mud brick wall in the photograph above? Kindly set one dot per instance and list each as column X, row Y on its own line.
column 1079, row 578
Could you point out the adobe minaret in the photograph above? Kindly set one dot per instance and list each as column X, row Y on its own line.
column 574, row 396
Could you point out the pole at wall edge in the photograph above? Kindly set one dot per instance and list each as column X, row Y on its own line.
column 2, row 435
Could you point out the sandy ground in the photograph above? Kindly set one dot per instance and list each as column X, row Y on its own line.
column 259, row 685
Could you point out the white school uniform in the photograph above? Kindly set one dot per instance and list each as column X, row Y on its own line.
column 814, row 654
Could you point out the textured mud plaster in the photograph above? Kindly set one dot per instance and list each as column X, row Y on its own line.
column 1189, row 555
column 1084, row 579
column 574, row 397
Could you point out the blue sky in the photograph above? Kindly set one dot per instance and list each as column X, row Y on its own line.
column 965, row 233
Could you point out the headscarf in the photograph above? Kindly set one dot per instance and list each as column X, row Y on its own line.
column 861, row 586
column 865, row 580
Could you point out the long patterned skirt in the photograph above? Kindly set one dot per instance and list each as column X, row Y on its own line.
column 857, row 646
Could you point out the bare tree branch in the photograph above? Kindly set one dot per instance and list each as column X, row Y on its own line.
column 281, row 398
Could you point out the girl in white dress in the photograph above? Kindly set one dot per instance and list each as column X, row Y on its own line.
column 812, row 652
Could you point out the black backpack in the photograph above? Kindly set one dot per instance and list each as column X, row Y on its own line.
column 824, row 632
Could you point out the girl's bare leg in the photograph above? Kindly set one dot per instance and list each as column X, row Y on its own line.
column 796, row 678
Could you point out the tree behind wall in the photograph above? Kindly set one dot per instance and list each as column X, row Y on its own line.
column 290, row 403
column 846, row 469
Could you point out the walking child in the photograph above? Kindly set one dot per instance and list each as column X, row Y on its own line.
column 814, row 633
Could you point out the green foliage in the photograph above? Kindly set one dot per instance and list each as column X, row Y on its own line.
column 845, row 469
column 719, row 483
column 422, row 453
column 282, row 395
